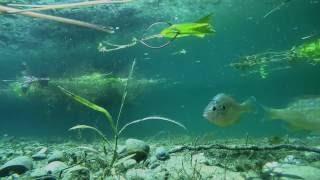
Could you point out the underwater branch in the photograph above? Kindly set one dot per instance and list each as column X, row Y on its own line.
column 5, row 9
column 63, row 6
column 245, row 148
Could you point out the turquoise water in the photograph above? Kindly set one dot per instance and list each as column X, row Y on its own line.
column 190, row 80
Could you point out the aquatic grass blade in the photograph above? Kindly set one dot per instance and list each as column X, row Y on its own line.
column 90, row 105
column 77, row 127
column 152, row 118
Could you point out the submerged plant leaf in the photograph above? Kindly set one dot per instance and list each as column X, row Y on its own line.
column 90, row 105
column 152, row 118
column 199, row 28
column 77, row 127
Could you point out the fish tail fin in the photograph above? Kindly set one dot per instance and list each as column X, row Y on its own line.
column 271, row 113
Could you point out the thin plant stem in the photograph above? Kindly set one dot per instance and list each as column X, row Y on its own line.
column 125, row 92
column 116, row 135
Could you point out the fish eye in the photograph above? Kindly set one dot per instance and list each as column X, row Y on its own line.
column 223, row 107
column 214, row 108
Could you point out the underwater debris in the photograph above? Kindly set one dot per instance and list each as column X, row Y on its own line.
column 266, row 62
column 5, row 9
column 63, row 6
column 245, row 148
column 199, row 28
column 224, row 111
column 283, row 3
column 180, row 52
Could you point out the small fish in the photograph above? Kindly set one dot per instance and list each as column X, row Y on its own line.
column 302, row 114
column 224, row 111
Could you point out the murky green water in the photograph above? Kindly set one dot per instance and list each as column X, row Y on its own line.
column 176, row 81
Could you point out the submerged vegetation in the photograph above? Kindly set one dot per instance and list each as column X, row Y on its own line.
column 95, row 85
column 264, row 63
column 113, row 124
column 199, row 28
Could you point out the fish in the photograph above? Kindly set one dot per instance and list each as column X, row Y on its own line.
column 199, row 28
column 223, row 110
column 303, row 114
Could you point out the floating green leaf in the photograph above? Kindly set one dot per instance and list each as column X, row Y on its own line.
column 200, row 28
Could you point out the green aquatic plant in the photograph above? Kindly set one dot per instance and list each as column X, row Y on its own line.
column 308, row 50
column 199, row 28
column 114, row 124
column 264, row 63
column 97, row 86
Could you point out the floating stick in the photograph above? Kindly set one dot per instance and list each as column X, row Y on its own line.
column 5, row 9
column 63, row 6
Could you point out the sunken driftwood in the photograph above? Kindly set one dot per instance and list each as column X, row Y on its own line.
column 63, row 6
column 5, row 9
column 245, row 148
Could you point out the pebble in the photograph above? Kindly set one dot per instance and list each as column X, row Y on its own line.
column 137, row 147
column 56, row 156
column 40, row 155
column 17, row 165
column 77, row 172
column 130, row 163
column 290, row 171
column 162, row 154
column 52, row 169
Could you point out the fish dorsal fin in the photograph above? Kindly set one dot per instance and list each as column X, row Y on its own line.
column 304, row 98
column 205, row 19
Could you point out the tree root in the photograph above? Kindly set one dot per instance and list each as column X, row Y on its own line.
column 245, row 148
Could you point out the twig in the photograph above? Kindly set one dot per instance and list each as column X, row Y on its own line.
column 5, row 9
column 63, row 6
column 108, row 47
column 245, row 148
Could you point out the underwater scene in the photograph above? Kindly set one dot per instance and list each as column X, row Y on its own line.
column 159, row 89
